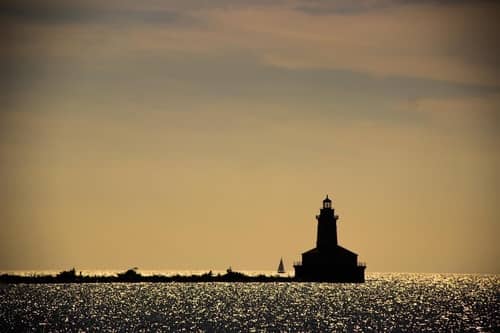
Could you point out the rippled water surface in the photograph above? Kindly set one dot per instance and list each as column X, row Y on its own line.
column 386, row 302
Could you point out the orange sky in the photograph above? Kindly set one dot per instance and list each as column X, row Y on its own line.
column 199, row 135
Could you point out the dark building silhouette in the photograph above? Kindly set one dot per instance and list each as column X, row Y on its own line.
column 328, row 261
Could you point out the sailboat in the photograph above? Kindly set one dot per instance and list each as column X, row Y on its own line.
column 281, row 267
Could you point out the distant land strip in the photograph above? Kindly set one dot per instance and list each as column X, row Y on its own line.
column 132, row 275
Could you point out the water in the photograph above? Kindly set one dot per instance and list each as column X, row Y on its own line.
column 386, row 302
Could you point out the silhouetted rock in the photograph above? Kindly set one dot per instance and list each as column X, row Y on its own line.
column 67, row 276
column 129, row 275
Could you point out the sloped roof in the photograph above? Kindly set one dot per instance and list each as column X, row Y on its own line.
column 339, row 249
column 315, row 250
column 343, row 249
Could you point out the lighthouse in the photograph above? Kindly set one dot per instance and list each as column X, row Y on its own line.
column 327, row 226
column 328, row 261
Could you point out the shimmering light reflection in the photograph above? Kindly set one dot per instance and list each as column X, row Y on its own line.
column 403, row 302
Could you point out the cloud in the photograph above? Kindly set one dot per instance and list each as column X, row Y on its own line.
column 53, row 12
column 418, row 41
column 346, row 7
column 429, row 40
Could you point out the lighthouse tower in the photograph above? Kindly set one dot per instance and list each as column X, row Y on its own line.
column 327, row 226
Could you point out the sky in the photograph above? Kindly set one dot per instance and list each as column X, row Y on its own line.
column 199, row 135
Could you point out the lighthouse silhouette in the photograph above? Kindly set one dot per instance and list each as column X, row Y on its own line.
column 329, row 262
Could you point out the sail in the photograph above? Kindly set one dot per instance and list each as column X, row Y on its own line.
column 281, row 267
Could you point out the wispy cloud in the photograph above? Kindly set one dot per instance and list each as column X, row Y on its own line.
column 55, row 12
column 436, row 40
column 346, row 7
column 419, row 41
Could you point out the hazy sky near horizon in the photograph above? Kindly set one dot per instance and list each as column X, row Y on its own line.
column 202, row 134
